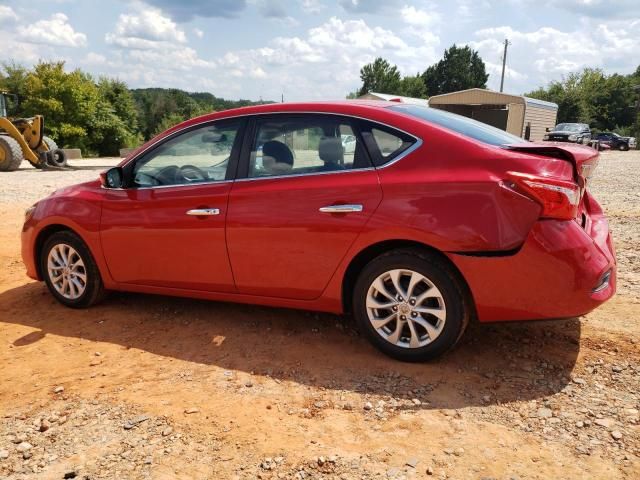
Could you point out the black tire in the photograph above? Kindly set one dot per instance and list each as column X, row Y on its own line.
column 50, row 142
column 56, row 157
column 11, row 154
column 623, row 147
column 94, row 289
column 454, row 293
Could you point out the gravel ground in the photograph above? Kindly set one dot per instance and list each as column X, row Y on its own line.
column 27, row 184
column 156, row 387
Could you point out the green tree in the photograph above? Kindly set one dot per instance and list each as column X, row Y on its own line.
column 604, row 102
column 413, row 87
column 115, row 124
column 460, row 68
column 12, row 79
column 380, row 76
column 168, row 121
column 68, row 101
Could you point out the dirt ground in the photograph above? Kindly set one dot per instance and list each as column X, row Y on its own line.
column 154, row 387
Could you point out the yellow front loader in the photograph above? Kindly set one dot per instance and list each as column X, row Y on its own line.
column 23, row 139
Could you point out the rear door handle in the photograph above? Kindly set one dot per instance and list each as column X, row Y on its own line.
column 199, row 212
column 341, row 209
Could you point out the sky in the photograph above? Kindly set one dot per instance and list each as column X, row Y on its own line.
column 314, row 49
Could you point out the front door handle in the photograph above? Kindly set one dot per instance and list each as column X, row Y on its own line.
column 341, row 209
column 199, row 212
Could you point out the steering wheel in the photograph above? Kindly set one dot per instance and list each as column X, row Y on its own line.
column 191, row 173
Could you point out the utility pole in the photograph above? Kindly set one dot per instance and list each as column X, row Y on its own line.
column 504, row 62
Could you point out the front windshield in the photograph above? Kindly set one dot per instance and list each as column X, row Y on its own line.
column 463, row 125
column 567, row 127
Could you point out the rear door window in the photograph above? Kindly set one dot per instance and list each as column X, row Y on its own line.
column 304, row 144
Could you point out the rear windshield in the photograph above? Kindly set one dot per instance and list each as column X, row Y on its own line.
column 463, row 125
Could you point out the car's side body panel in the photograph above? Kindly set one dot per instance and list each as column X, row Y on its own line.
column 78, row 208
column 149, row 239
column 281, row 245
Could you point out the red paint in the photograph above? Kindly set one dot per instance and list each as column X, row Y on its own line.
column 270, row 245
column 147, row 239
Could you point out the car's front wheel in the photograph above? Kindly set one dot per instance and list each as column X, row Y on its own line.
column 70, row 271
column 623, row 147
column 411, row 305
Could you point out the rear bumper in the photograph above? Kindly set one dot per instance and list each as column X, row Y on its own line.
column 558, row 273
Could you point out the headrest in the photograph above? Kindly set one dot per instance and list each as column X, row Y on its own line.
column 330, row 150
column 279, row 151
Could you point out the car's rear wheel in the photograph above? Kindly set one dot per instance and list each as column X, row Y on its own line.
column 411, row 305
column 623, row 147
column 69, row 270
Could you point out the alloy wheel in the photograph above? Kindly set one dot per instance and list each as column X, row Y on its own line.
column 406, row 308
column 67, row 271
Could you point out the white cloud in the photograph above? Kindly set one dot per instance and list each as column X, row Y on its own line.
column 545, row 54
column 183, row 58
column 258, row 73
column 355, row 34
column 198, row 33
column 419, row 18
column 7, row 14
column 311, row 6
column 56, row 31
column 147, row 37
column 145, row 29
column 325, row 63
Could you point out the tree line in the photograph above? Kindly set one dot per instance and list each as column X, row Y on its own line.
column 605, row 102
column 102, row 115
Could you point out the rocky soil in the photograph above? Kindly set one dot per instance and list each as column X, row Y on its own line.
column 145, row 387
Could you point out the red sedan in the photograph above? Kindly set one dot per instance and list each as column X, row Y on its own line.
column 429, row 221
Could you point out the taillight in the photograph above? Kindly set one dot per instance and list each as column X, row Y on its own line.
column 559, row 198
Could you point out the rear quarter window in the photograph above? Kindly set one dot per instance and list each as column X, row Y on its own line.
column 385, row 143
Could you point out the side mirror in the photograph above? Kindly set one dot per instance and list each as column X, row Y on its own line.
column 547, row 129
column 112, row 178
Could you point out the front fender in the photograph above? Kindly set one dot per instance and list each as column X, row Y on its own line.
column 78, row 211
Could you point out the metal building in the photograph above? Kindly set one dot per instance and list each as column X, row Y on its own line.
column 522, row 116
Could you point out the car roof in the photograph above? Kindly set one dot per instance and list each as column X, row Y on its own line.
column 302, row 106
column 344, row 107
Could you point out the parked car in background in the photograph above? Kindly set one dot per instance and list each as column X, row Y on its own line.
column 569, row 132
column 349, row 144
column 615, row 141
column 435, row 220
